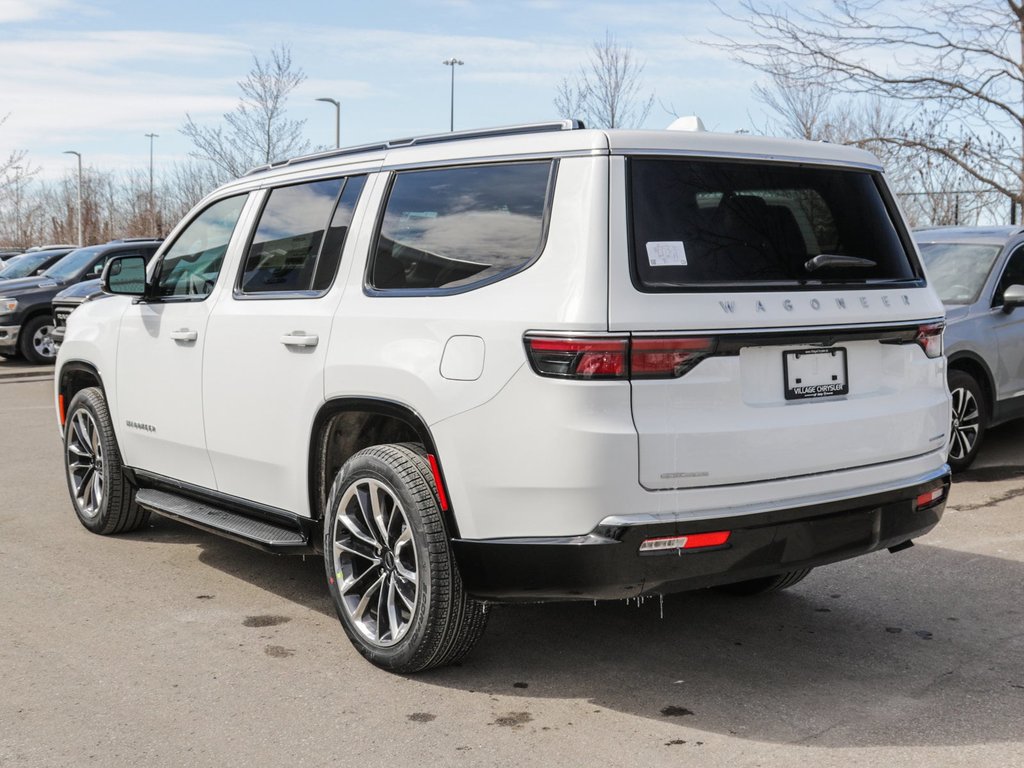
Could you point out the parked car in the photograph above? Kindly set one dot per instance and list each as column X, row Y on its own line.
column 529, row 363
column 978, row 273
column 51, row 247
column 31, row 264
column 25, row 303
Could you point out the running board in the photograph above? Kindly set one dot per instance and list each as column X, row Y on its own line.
column 232, row 525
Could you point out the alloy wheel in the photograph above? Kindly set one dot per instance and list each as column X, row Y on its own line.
column 375, row 562
column 85, row 463
column 966, row 424
column 42, row 342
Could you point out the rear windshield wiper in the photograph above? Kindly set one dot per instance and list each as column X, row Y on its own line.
column 823, row 260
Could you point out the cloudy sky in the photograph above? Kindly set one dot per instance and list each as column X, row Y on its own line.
column 96, row 75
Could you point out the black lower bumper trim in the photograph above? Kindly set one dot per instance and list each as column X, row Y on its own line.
column 607, row 564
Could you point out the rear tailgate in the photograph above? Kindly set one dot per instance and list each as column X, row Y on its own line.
column 738, row 417
column 814, row 367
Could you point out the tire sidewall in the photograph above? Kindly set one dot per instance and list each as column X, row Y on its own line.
column 28, row 351
column 961, row 380
column 399, row 655
column 92, row 402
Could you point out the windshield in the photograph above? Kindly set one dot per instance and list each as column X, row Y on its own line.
column 24, row 265
column 958, row 270
column 714, row 223
column 72, row 265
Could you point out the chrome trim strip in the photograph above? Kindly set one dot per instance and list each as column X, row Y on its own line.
column 649, row 518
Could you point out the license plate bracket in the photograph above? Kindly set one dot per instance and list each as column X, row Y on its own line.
column 814, row 373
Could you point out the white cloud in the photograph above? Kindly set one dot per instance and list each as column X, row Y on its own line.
column 29, row 10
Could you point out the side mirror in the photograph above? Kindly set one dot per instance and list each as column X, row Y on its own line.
column 125, row 276
column 1013, row 297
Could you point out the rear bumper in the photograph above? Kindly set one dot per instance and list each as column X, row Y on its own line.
column 607, row 564
column 9, row 338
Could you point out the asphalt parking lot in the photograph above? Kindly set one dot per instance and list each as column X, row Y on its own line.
column 172, row 647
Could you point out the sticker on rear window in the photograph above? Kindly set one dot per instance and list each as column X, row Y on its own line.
column 666, row 254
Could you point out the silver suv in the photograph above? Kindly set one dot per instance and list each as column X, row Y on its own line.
column 978, row 273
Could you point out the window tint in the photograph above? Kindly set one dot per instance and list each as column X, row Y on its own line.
column 330, row 255
column 284, row 250
column 1012, row 275
column 701, row 223
column 191, row 265
column 458, row 226
column 958, row 270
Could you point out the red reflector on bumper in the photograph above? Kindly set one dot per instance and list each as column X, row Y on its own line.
column 929, row 498
column 691, row 541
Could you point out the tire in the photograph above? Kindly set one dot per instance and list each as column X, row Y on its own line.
column 103, row 498
column 969, row 419
column 387, row 554
column 35, row 343
column 766, row 584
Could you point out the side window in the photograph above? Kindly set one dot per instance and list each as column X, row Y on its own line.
column 298, row 240
column 1013, row 274
column 191, row 265
column 456, row 227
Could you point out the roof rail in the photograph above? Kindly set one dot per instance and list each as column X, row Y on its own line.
column 433, row 138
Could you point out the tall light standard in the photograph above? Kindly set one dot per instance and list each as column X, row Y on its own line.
column 17, row 203
column 337, row 120
column 452, row 62
column 79, row 156
column 152, row 211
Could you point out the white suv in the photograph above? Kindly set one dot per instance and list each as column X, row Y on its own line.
column 531, row 363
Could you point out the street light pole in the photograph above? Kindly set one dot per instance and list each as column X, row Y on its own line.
column 79, row 156
column 152, row 211
column 17, row 203
column 452, row 62
column 337, row 120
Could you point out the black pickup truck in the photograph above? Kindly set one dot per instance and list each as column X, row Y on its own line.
column 25, row 305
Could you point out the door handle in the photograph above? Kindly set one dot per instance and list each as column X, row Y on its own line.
column 184, row 334
column 300, row 339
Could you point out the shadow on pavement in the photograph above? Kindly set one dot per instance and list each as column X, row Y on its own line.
column 921, row 648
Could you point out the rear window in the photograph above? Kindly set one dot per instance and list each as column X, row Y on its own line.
column 704, row 224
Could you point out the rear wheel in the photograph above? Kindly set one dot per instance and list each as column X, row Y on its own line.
column 103, row 498
column 766, row 584
column 969, row 419
column 390, row 568
column 36, row 343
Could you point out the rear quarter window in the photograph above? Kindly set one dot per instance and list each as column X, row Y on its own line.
column 701, row 224
column 450, row 229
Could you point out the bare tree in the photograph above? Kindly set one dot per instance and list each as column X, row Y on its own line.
column 607, row 90
column 954, row 70
column 258, row 130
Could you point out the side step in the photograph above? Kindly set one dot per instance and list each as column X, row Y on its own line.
column 256, row 533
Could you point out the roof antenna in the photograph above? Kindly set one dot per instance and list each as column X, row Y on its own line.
column 688, row 123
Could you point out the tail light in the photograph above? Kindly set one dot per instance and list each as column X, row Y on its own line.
column 930, row 498
column 667, row 358
column 578, row 358
column 929, row 338
column 717, row 539
column 617, row 358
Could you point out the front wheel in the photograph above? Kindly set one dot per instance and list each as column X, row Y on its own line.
column 969, row 420
column 36, row 342
column 390, row 569
column 102, row 496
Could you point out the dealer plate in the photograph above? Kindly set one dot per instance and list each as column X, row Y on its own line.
column 815, row 373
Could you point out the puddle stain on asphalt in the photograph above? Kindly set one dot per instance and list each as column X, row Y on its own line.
column 279, row 651
column 264, row 621
column 421, row 717
column 513, row 719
